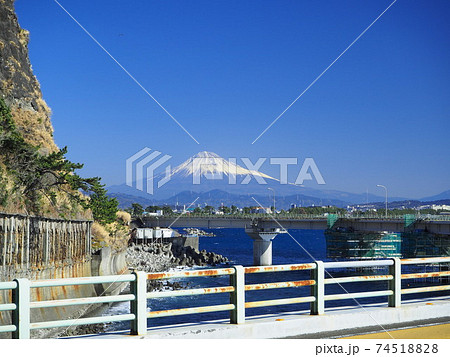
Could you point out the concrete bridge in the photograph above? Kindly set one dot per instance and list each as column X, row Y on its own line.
column 264, row 228
column 432, row 224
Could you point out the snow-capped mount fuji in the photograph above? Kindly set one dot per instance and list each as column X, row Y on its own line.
column 208, row 173
column 203, row 172
column 211, row 164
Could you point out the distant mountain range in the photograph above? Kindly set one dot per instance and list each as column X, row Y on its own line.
column 215, row 175
column 442, row 196
column 217, row 198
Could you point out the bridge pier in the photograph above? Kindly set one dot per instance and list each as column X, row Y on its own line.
column 262, row 242
column 262, row 251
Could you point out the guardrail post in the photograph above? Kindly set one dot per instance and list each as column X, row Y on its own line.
column 237, row 280
column 21, row 315
column 138, row 306
column 318, row 289
column 395, row 284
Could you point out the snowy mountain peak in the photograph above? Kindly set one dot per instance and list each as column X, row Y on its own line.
column 202, row 154
column 209, row 163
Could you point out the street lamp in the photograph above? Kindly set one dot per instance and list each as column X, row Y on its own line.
column 386, row 197
column 273, row 198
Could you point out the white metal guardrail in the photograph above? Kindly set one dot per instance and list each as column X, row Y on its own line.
column 21, row 306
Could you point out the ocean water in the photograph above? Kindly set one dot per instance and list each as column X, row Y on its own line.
column 301, row 246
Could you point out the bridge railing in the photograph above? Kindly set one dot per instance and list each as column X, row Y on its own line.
column 21, row 303
column 232, row 289
column 320, row 276
column 277, row 285
column 423, row 217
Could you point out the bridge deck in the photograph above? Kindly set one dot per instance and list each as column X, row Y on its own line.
column 336, row 322
column 440, row 226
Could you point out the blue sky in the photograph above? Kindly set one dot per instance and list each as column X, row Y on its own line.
column 226, row 69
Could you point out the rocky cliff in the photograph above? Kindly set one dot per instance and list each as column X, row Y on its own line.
column 18, row 85
column 27, row 180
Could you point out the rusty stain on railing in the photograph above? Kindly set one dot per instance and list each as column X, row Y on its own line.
column 188, row 292
column 425, row 275
column 284, row 284
column 275, row 268
column 190, row 273
column 433, row 260
column 191, row 310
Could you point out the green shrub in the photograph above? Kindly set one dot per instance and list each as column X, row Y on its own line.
column 37, row 177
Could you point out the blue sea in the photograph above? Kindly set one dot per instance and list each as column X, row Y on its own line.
column 294, row 248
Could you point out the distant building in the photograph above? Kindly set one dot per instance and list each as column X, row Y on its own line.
column 435, row 207
column 155, row 233
column 442, row 207
column 178, row 208
column 154, row 214
column 260, row 210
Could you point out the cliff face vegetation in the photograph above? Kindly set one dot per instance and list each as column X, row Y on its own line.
column 26, row 132
column 18, row 86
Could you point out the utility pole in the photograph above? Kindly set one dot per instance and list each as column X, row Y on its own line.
column 386, row 198
column 273, row 198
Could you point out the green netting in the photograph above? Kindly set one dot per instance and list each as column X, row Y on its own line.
column 422, row 244
column 409, row 220
column 363, row 245
column 331, row 220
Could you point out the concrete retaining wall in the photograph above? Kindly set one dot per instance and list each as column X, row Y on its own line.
column 28, row 242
